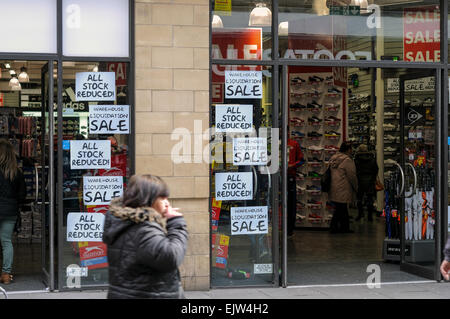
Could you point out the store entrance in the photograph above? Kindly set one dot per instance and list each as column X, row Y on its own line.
column 26, row 118
column 388, row 116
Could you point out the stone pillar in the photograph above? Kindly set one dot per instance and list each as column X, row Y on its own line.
column 172, row 93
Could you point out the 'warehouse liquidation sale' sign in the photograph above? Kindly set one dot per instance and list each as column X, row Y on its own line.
column 249, row 220
column 243, row 85
column 109, row 119
column 100, row 190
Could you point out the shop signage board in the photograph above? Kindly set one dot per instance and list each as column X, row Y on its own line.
column 109, row 119
column 216, row 206
column 263, row 269
column 345, row 10
column 421, row 34
column 249, row 220
column 233, row 43
column 234, row 118
column 234, row 186
column 417, row 85
column 90, row 154
column 243, row 85
column 95, row 86
column 220, row 244
column 100, row 190
column 415, row 116
column 93, row 255
column 120, row 70
column 222, row 7
column 250, row 151
column 85, row 227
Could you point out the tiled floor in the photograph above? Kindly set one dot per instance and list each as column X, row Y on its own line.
column 27, row 267
column 318, row 257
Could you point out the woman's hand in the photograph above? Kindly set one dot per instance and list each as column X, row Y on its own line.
column 172, row 212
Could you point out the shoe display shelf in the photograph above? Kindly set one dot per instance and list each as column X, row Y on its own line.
column 391, row 131
column 315, row 122
column 360, row 119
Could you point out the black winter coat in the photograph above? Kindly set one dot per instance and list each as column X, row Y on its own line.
column 367, row 171
column 12, row 194
column 144, row 252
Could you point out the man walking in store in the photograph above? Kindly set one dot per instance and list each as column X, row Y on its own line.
column 295, row 159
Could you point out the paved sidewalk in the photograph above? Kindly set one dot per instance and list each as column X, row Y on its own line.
column 412, row 290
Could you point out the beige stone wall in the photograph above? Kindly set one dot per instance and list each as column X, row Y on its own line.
column 172, row 91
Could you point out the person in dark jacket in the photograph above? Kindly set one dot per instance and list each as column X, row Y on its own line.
column 146, row 241
column 367, row 171
column 445, row 265
column 12, row 195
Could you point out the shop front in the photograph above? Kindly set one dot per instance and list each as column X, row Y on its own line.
column 303, row 77
column 67, row 108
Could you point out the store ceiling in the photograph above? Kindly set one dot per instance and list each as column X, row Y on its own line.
column 34, row 68
column 311, row 4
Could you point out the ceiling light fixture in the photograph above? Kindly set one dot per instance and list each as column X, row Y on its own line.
column 283, row 28
column 260, row 16
column 14, row 84
column 23, row 76
column 362, row 4
column 216, row 22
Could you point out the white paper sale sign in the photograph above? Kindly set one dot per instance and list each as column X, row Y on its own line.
column 100, row 190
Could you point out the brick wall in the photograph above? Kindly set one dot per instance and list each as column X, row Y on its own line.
column 172, row 91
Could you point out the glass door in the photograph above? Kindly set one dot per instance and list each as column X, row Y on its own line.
column 244, row 166
column 45, row 182
column 418, row 161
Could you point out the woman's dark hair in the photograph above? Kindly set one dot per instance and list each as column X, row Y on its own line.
column 143, row 190
column 345, row 147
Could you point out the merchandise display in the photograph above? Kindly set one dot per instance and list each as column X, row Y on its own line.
column 316, row 108
column 23, row 132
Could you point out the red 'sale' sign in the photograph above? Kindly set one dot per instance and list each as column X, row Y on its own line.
column 421, row 34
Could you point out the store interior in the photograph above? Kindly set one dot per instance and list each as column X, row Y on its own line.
column 24, row 122
column 324, row 112
column 352, row 112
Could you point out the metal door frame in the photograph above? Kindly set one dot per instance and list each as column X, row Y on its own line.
column 404, row 265
column 49, row 277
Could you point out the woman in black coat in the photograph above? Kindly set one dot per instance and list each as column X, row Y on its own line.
column 147, row 241
column 12, row 195
column 367, row 171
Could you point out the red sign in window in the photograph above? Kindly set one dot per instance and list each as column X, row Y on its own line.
column 242, row 44
column 421, row 34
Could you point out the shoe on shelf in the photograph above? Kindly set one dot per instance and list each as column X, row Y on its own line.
column 314, row 134
column 315, row 148
column 298, row 79
column 315, row 78
column 334, row 91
